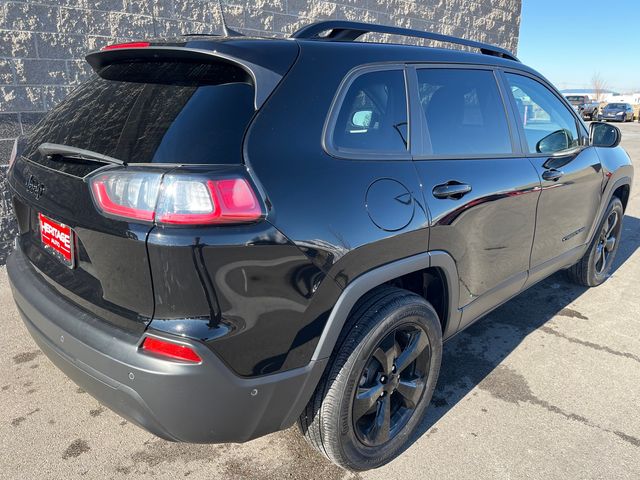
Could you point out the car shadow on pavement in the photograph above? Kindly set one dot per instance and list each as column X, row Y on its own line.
column 470, row 357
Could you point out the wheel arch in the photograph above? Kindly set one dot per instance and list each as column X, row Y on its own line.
column 622, row 191
column 620, row 188
column 389, row 272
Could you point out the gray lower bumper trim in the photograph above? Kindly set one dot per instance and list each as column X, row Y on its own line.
column 205, row 403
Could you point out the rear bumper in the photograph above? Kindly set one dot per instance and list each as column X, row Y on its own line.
column 204, row 403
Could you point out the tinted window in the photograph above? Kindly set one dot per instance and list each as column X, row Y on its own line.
column 161, row 112
column 548, row 124
column 373, row 115
column 464, row 112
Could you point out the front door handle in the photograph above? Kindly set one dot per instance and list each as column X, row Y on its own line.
column 552, row 174
column 451, row 190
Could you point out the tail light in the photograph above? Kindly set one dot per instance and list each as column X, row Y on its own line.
column 175, row 199
column 192, row 201
column 126, row 194
column 175, row 351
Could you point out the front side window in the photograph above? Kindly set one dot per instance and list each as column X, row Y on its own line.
column 464, row 113
column 549, row 126
column 373, row 115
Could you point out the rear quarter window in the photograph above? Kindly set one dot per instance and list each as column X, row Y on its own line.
column 372, row 116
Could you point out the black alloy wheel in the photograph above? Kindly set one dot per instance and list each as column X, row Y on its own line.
column 607, row 242
column 391, row 385
column 595, row 265
column 379, row 381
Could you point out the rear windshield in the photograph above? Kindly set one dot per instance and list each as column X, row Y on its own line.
column 155, row 112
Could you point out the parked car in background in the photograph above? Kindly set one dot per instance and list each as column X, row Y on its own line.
column 219, row 236
column 584, row 106
column 619, row 112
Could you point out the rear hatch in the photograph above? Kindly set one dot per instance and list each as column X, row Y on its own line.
column 159, row 111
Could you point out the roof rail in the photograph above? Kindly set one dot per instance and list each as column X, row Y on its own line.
column 345, row 31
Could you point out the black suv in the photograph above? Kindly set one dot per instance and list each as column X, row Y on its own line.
column 219, row 236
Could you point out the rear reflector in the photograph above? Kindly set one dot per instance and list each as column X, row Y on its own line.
column 170, row 350
column 174, row 199
column 126, row 45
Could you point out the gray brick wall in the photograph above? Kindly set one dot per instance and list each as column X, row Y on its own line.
column 42, row 43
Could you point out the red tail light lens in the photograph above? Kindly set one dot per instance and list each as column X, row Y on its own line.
column 237, row 200
column 175, row 199
column 126, row 45
column 171, row 350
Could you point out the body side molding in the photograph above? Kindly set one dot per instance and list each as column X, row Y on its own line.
column 364, row 283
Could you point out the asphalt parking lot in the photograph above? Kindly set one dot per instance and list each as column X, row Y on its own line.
column 545, row 387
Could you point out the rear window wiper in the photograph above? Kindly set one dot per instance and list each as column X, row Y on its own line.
column 53, row 149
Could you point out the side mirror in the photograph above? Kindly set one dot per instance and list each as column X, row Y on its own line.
column 604, row 135
column 554, row 142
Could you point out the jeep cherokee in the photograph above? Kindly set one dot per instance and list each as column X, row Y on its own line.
column 219, row 236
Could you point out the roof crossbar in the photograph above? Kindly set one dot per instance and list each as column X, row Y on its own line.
column 345, row 31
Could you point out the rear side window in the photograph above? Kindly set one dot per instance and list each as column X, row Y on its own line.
column 464, row 113
column 373, row 115
column 549, row 126
column 155, row 112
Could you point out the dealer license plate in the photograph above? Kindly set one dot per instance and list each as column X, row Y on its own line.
column 57, row 239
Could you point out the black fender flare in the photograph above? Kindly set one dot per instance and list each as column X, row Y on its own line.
column 373, row 278
column 606, row 197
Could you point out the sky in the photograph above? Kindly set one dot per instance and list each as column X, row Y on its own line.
column 568, row 41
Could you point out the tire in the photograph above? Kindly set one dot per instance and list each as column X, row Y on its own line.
column 590, row 271
column 333, row 421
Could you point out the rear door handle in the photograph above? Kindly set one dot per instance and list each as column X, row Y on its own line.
column 451, row 190
column 552, row 174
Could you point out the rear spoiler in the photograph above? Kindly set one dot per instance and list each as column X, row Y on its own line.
column 264, row 80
